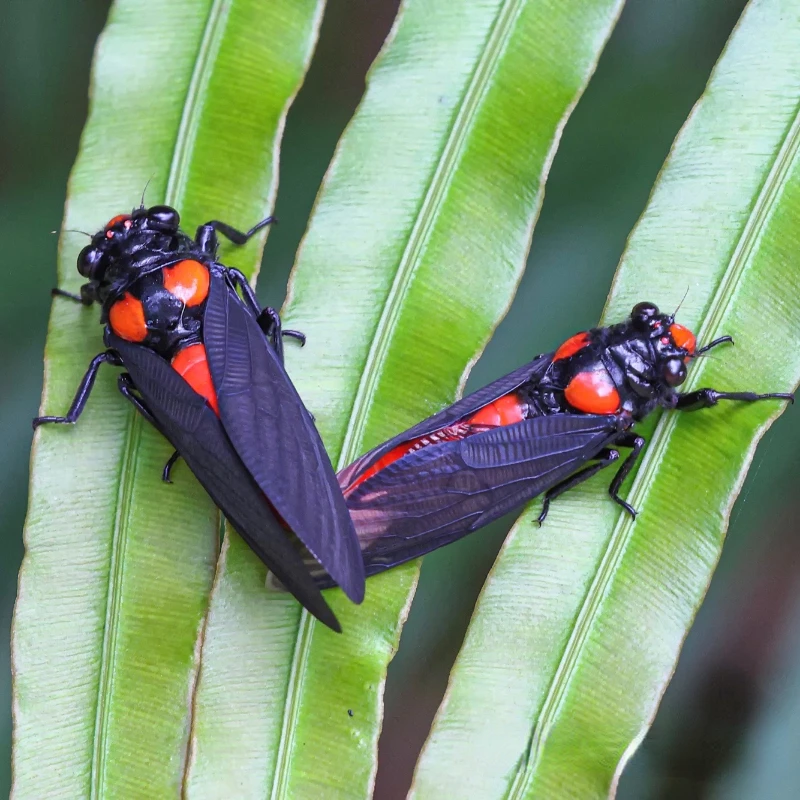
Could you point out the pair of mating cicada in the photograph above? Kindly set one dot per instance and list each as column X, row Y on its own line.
column 204, row 363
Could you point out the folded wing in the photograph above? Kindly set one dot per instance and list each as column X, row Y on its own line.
column 275, row 436
column 438, row 494
column 186, row 420
column 447, row 416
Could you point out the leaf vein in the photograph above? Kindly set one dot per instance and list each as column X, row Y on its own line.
column 179, row 168
column 213, row 34
column 119, row 541
column 496, row 43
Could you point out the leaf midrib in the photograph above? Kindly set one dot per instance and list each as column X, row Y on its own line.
column 213, row 31
column 424, row 222
column 119, row 543
column 496, row 43
column 653, row 458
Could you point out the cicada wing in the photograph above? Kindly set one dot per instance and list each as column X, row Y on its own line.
column 530, row 373
column 186, row 420
column 275, row 436
column 442, row 492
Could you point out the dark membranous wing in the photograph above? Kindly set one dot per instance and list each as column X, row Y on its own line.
column 438, row 494
column 186, row 420
column 468, row 405
column 276, row 438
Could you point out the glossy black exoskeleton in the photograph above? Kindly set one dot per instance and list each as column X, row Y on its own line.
column 543, row 429
column 204, row 363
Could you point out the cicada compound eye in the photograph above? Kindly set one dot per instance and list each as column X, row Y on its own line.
column 643, row 315
column 163, row 218
column 89, row 261
column 674, row 372
column 118, row 224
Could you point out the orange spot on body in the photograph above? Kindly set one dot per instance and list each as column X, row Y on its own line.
column 126, row 318
column 572, row 346
column 188, row 280
column 593, row 392
column 191, row 364
column 393, row 455
column 506, row 410
column 683, row 337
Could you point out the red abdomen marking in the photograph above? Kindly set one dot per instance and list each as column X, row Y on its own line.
column 571, row 346
column 188, row 280
column 506, row 410
column 126, row 318
column 683, row 337
column 593, row 392
column 192, row 365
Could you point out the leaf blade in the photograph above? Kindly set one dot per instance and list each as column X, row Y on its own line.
column 114, row 586
column 399, row 232
column 600, row 606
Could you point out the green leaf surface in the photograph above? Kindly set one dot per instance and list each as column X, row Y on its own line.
column 413, row 254
column 191, row 96
column 580, row 624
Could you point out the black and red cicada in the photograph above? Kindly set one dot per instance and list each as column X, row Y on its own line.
column 204, row 363
column 543, row 429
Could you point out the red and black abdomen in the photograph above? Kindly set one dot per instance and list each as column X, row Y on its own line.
column 574, row 379
column 191, row 363
column 505, row 410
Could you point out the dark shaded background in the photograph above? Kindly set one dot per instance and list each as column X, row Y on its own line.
column 730, row 722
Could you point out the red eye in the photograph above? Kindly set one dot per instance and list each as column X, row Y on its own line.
column 665, row 340
column 115, row 221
